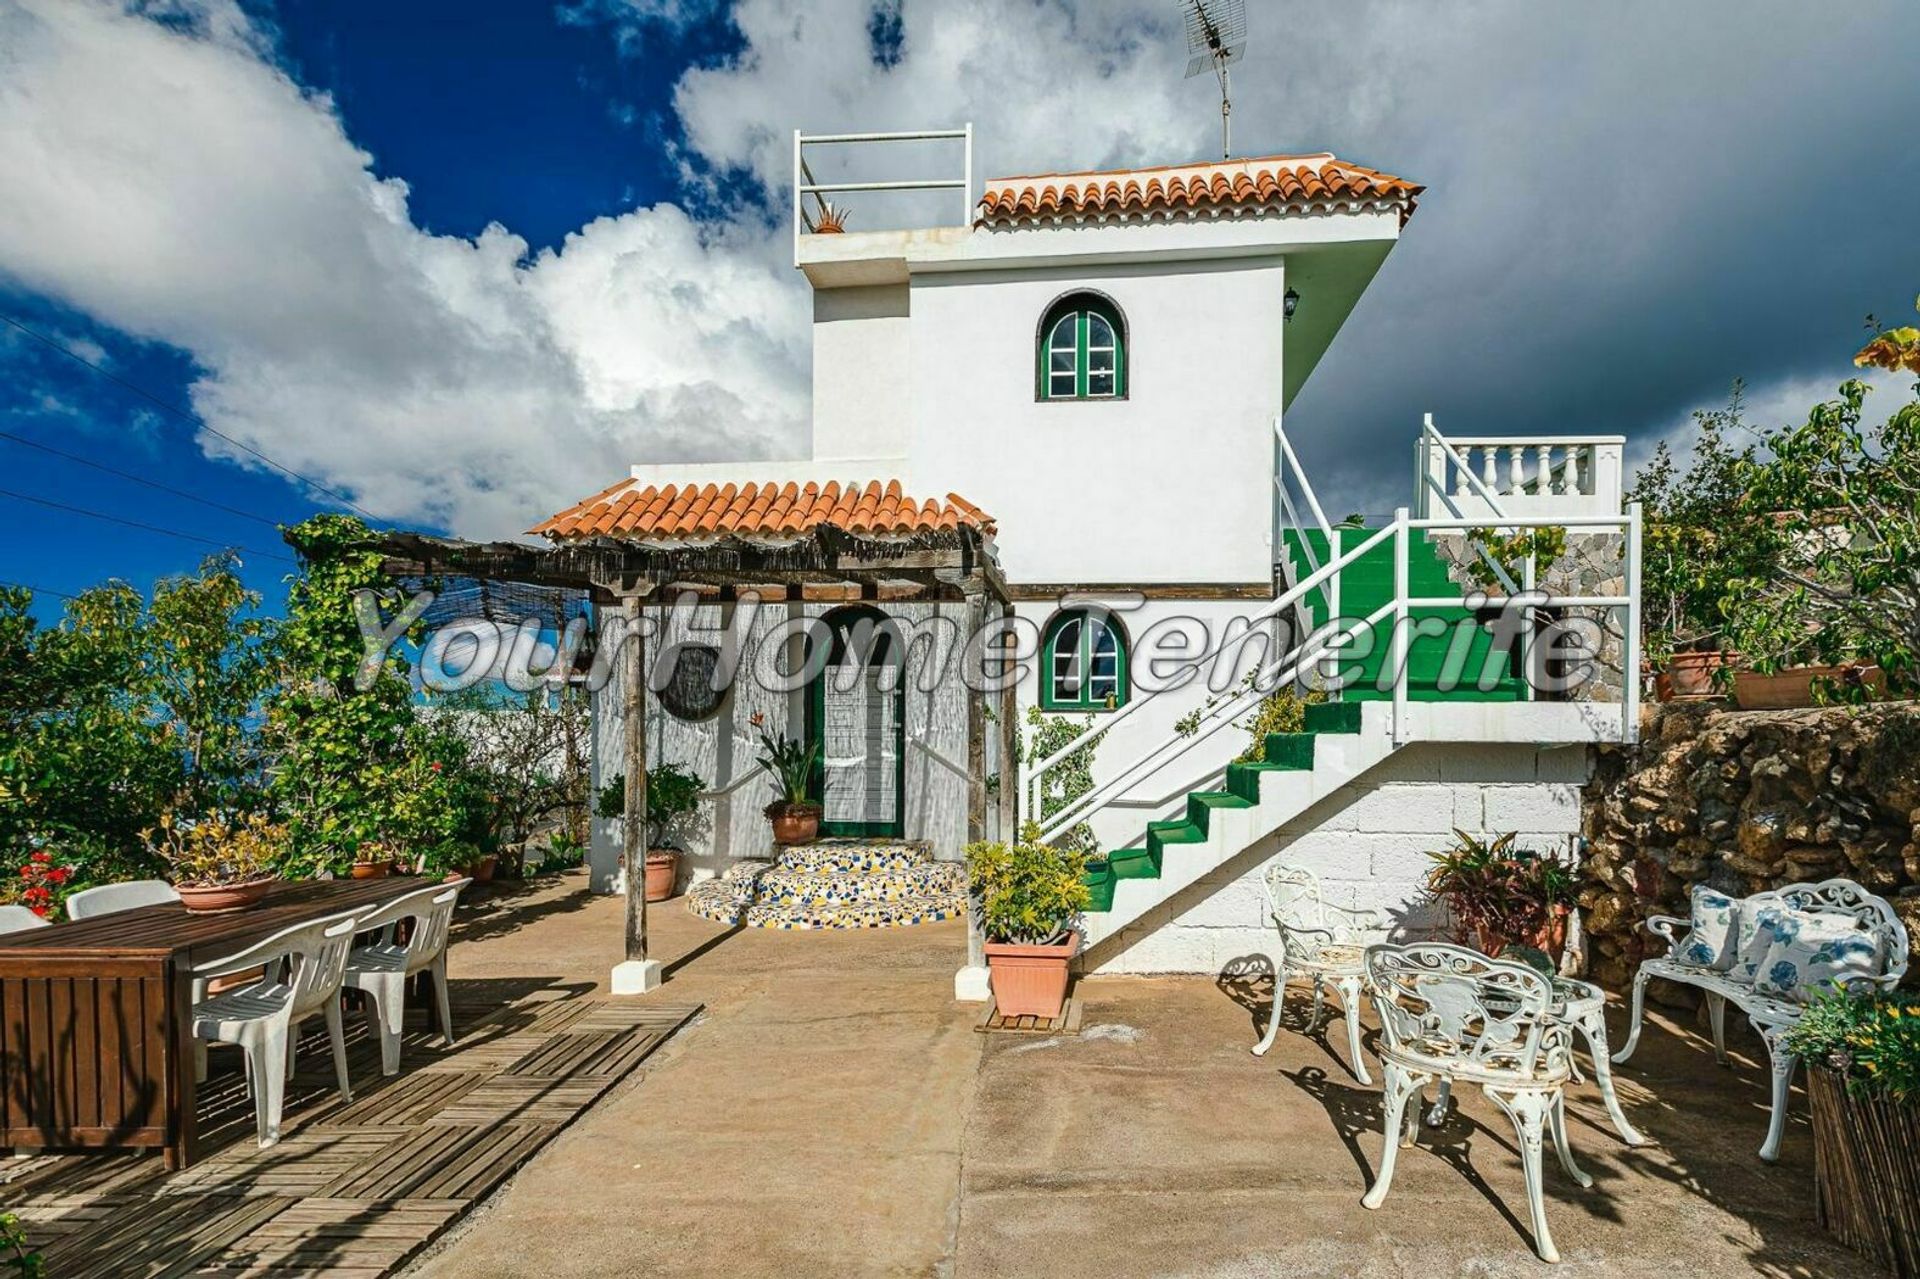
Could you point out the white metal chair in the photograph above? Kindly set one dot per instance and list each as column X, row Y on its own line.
column 17, row 919
column 381, row 969
column 303, row 968
column 108, row 899
column 1454, row 1015
column 1323, row 943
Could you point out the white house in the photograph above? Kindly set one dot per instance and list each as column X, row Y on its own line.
column 1094, row 369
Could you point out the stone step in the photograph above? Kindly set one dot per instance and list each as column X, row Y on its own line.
column 859, row 914
column 839, row 857
column 787, row 885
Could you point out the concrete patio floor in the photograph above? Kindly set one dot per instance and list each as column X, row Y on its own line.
column 835, row 1113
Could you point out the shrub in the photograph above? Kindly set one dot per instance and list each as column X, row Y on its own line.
column 1027, row 893
column 673, row 791
column 1871, row 1039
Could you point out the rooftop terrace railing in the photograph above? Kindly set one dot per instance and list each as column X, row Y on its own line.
column 805, row 185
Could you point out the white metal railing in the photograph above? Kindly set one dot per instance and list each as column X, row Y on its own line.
column 1485, row 512
column 805, row 185
column 1287, row 464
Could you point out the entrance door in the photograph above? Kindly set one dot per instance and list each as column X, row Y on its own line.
column 856, row 711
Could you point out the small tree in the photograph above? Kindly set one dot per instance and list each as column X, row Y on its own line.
column 1841, row 506
column 1693, row 541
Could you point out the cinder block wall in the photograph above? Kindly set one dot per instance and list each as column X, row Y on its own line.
column 1368, row 843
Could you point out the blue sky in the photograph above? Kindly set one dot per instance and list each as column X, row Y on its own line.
column 463, row 262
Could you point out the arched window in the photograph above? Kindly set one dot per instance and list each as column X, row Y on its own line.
column 1084, row 656
column 1083, row 350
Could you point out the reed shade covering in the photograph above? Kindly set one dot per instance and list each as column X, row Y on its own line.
column 96, row 1047
column 1866, row 1169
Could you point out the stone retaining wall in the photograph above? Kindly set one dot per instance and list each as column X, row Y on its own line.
column 1745, row 801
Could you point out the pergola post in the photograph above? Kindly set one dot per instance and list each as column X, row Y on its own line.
column 636, row 975
column 971, row 983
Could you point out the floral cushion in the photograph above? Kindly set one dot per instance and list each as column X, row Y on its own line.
column 1710, row 940
column 1815, row 950
column 1756, row 929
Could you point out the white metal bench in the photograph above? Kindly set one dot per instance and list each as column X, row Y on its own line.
column 1772, row 1015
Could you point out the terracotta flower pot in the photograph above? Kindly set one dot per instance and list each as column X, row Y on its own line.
column 1688, row 677
column 663, row 867
column 214, row 899
column 1030, row 981
column 481, row 872
column 1793, row 687
column 795, row 824
column 371, row 870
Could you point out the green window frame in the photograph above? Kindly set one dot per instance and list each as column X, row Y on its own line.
column 1082, row 351
column 1083, row 656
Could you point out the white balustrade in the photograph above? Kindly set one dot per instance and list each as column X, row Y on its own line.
column 1550, row 475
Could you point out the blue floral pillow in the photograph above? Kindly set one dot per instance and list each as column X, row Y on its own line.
column 1754, row 938
column 1820, row 950
column 1710, row 942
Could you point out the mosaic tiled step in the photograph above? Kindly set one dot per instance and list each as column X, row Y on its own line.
column 860, row 914
column 841, row 856
column 797, row 887
column 835, row 884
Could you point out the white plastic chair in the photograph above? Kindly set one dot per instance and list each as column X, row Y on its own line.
column 108, row 899
column 1453, row 1014
column 381, row 969
column 17, row 919
column 1323, row 943
column 261, row 1018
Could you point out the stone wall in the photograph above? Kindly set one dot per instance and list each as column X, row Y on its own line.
column 1745, row 801
column 1368, row 842
column 1594, row 564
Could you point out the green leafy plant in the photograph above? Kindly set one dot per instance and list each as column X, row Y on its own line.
column 1839, row 501
column 673, row 791
column 219, row 848
column 25, row 1262
column 791, row 764
column 1695, row 538
column 563, row 852
column 1873, row 1039
column 1069, row 779
column 1027, row 892
column 1510, row 551
column 1498, row 894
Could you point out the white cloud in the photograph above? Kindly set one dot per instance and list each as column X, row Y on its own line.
column 1614, row 191
column 176, row 185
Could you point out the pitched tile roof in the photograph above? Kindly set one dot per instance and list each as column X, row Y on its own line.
column 1293, row 183
column 632, row 511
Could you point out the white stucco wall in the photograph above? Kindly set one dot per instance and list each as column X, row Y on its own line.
column 1172, row 484
column 861, row 388
column 1368, row 843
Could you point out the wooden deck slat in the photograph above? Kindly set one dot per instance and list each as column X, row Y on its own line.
column 352, row 1188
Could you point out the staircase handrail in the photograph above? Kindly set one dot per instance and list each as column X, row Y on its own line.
column 1286, row 600
column 1213, row 718
column 1289, row 460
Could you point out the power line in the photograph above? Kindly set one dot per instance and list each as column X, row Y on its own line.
column 39, row 590
column 138, row 479
column 183, row 414
column 146, row 528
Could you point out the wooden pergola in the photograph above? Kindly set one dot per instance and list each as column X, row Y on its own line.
column 953, row 564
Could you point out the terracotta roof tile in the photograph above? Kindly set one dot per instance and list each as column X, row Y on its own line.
column 635, row 512
column 1285, row 182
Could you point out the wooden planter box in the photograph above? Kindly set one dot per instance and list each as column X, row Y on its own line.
column 1866, row 1171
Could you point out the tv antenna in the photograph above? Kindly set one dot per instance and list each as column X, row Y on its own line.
column 1216, row 37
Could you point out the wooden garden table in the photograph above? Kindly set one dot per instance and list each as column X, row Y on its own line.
column 96, row 1036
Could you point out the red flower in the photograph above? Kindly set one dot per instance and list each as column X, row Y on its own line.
column 43, row 857
column 39, row 910
column 26, row 872
column 435, row 766
column 58, row 875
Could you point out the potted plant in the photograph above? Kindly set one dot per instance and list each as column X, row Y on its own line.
column 795, row 816
column 1026, row 897
column 220, row 863
column 672, row 792
column 831, row 220
column 1862, row 1053
column 1501, row 896
column 372, row 860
